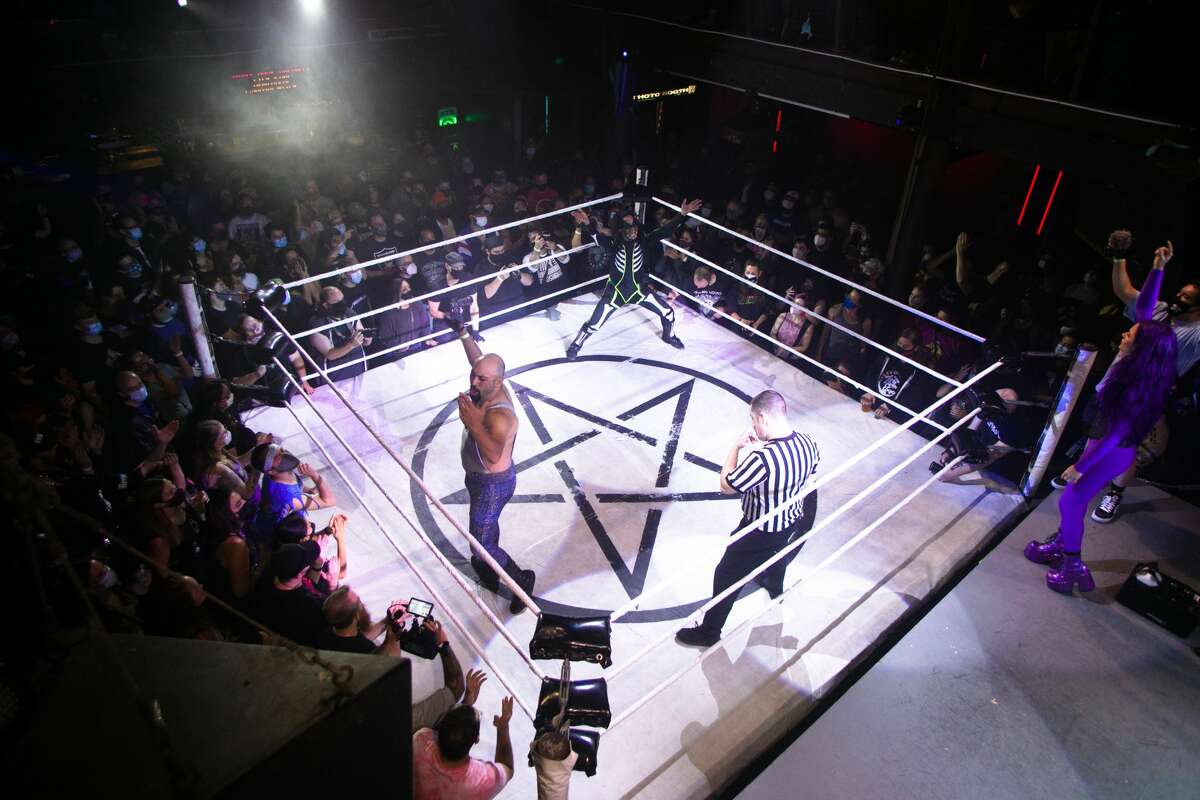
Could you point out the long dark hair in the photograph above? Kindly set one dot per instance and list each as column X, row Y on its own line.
column 1135, row 392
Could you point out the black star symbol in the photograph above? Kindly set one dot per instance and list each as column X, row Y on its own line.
column 631, row 580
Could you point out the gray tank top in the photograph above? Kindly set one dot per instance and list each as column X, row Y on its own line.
column 472, row 459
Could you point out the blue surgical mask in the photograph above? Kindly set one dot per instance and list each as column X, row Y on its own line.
column 73, row 255
column 342, row 250
column 135, row 234
column 589, row 188
column 200, row 245
column 280, row 243
column 139, row 394
column 849, row 304
column 134, row 270
column 355, row 277
column 340, row 227
column 250, row 282
column 93, row 328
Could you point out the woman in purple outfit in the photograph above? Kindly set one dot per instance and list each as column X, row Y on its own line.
column 1129, row 401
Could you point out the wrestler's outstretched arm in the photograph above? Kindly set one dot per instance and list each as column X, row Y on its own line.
column 470, row 346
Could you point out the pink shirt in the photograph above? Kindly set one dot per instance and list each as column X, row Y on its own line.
column 434, row 780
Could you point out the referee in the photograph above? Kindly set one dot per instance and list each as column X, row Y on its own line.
column 768, row 477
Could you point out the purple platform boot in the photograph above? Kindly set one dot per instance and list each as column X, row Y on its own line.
column 1045, row 551
column 1070, row 571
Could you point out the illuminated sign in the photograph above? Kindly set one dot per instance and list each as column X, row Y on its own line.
column 269, row 80
column 447, row 116
column 641, row 98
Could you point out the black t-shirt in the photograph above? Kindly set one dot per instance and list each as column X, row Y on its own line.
column 458, row 298
column 373, row 248
column 91, row 363
column 131, row 432
column 345, row 644
column 745, row 301
column 295, row 614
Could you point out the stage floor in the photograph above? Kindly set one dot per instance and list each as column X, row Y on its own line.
column 1009, row 691
column 617, row 490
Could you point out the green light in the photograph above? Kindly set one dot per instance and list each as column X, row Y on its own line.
column 546, row 124
column 447, row 116
column 560, row 60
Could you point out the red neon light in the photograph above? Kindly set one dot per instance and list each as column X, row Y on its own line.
column 1049, row 203
column 1029, row 193
column 775, row 146
column 778, row 120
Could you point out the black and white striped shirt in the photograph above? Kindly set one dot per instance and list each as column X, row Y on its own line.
column 774, row 474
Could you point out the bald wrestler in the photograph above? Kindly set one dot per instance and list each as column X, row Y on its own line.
column 489, row 431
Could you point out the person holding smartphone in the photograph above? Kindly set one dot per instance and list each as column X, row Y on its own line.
column 342, row 344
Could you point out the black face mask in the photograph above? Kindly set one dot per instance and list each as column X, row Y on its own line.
column 338, row 309
column 177, row 498
column 287, row 463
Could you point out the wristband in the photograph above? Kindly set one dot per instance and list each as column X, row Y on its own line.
column 444, row 648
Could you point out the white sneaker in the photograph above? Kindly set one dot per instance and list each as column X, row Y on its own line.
column 1108, row 507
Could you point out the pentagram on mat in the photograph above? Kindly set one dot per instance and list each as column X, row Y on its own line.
column 632, row 580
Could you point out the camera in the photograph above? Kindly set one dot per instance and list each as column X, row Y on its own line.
column 408, row 625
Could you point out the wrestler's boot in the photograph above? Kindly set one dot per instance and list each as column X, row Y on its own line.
column 1045, row 551
column 1070, row 571
column 669, row 337
column 487, row 575
column 580, row 338
column 523, row 578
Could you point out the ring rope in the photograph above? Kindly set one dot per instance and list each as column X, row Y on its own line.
column 475, row 545
column 826, row 320
column 828, row 274
column 427, row 337
column 436, row 292
column 454, row 573
column 444, row 242
column 629, row 711
column 804, row 356
column 796, row 544
column 752, row 526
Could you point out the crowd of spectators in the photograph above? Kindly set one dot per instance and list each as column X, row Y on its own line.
column 104, row 399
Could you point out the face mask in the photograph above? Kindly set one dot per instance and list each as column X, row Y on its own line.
column 849, row 304
column 280, row 243
column 73, row 255
column 706, row 212
column 250, row 281
column 340, row 227
column 134, row 270
column 287, row 463
column 139, row 394
column 751, row 278
column 199, row 245
column 355, row 277
column 798, row 252
column 820, row 241
column 108, row 578
column 481, row 222
column 166, row 313
column 227, row 438
column 488, row 207
column 135, row 234
column 338, row 309
column 788, row 204
column 411, row 269
column 379, row 230
column 589, row 188
column 1062, row 350
column 342, row 250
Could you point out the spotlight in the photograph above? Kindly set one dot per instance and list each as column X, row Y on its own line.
column 181, row 3
column 312, row 8
column 624, row 54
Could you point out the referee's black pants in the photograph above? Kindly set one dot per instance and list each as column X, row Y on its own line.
column 748, row 553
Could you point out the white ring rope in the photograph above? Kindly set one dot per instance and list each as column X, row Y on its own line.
column 475, row 545
column 436, row 292
column 902, row 306
column 442, row 604
column 455, row 240
column 805, row 356
column 462, row 582
column 628, row 712
column 797, row 543
column 811, row 312
column 484, row 318
column 752, row 526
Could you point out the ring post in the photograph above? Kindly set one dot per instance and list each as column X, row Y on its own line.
column 642, row 178
column 197, row 326
column 1064, row 404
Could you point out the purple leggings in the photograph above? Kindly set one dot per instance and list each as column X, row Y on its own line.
column 1075, row 498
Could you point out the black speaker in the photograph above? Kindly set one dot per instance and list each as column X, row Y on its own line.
column 1161, row 599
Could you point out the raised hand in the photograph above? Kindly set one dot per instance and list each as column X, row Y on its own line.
column 1164, row 254
column 506, row 706
column 475, row 681
column 1119, row 242
column 690, row 206
column 580, row 216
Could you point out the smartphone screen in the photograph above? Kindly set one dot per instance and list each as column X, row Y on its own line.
column 420, row 608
